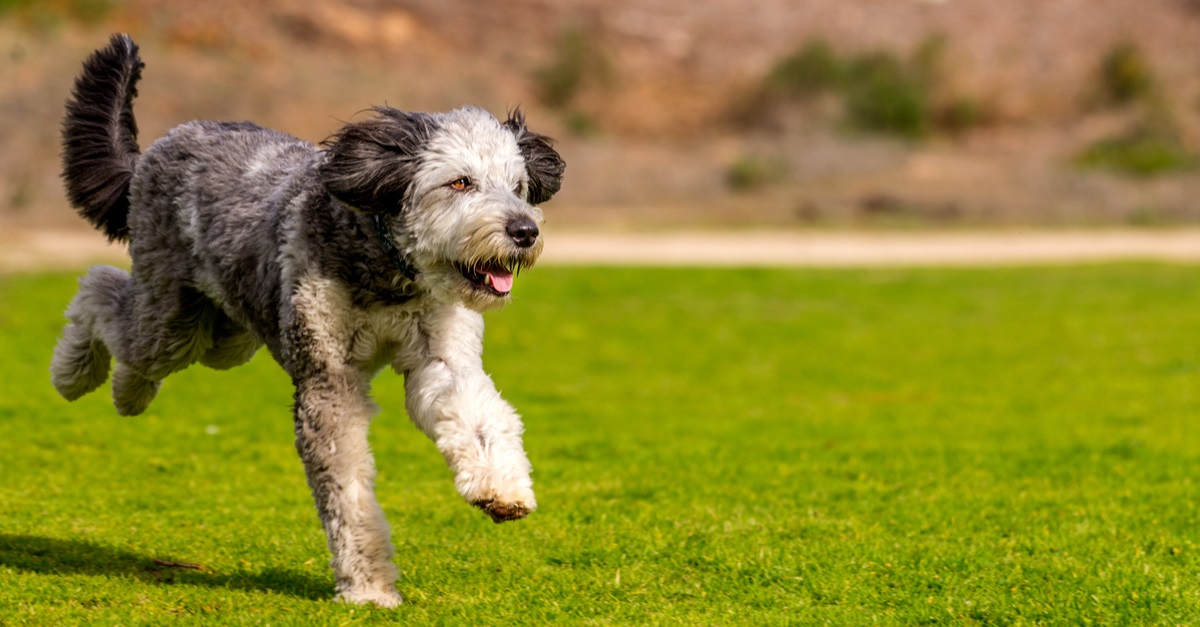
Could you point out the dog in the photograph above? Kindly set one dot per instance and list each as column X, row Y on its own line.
column 381, row 247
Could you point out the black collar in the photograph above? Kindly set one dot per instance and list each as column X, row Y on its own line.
column 383, row 230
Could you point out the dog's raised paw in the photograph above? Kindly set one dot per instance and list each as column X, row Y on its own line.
column 503, row 512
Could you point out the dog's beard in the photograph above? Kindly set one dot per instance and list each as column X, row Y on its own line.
column 488, row 282
column 482, row 274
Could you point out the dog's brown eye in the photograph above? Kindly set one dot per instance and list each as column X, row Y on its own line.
column 461, row 184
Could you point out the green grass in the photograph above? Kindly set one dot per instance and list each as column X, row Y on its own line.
column 867, row 447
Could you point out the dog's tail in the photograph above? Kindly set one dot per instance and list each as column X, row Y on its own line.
column 99, row 135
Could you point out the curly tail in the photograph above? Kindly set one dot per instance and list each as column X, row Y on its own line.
column 99, row 135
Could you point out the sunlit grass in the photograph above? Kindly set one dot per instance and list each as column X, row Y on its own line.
column 711, row 446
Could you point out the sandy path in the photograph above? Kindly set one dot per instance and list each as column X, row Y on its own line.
column 40, row 249
column 872, row 249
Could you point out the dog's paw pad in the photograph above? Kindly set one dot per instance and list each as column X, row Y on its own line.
column 503, row 512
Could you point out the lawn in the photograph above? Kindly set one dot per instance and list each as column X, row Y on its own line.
column 864, row 447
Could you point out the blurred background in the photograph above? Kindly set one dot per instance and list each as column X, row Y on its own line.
column 673, row 114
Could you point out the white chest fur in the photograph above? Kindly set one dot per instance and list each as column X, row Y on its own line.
column 366, row 338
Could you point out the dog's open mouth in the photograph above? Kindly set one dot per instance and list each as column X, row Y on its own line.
column 493, row 276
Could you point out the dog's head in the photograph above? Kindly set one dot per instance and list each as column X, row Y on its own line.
column 460, row 191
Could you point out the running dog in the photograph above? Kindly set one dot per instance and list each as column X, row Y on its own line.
column 382, row 247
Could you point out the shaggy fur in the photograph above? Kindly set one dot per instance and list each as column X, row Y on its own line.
column 382, row 248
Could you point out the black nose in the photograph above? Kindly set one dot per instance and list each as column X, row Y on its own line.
column 523, row 231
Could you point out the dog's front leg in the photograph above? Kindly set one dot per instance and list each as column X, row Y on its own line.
column 451, row 398
column 332, row 416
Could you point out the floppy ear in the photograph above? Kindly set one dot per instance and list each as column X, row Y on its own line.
column 370, row 165
column 544, row 165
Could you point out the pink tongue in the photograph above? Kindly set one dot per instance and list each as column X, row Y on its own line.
column 500, row 281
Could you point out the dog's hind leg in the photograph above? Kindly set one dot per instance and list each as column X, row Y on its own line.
column 132, row 391
column 151, row 333
column 232, row 344
column 103, row 324
column 332, row 415
column 167, row 330
column 82, row 357
column 80, row 363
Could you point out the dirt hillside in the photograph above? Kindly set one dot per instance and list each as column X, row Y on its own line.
column 648, row 98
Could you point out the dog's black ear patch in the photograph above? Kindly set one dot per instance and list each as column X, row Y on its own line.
column 543, row 163
column 369, row 165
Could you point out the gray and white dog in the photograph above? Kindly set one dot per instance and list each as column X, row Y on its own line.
column 381, row 248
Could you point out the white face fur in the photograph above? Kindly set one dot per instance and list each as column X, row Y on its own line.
column 471, row 184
